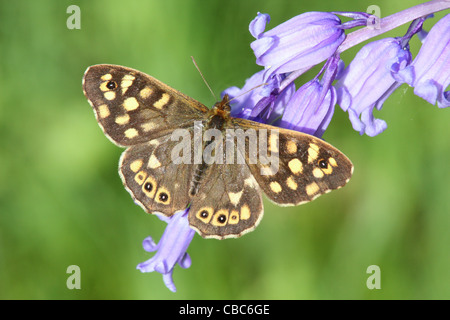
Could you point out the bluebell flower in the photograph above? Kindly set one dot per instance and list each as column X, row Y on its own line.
column 311, row 108
column 369, row 79
column 264, row 104
column 171, row 248
column 297, row 44
column 429, row 73
column 286, row 50
column 245, row 98
column 304, row 113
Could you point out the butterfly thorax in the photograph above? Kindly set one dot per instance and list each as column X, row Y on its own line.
column 218, row 119
column 220, row 112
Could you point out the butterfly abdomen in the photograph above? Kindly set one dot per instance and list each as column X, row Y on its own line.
column 197, row 177
column 215, row 122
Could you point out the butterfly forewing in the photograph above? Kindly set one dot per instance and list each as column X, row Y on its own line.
column 132, row 107
column 293, row 167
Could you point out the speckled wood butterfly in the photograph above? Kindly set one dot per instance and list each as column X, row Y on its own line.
column 181, row 154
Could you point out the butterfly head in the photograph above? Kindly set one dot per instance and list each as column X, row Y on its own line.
column 223, row 108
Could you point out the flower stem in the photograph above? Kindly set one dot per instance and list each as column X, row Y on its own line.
column 393, row 21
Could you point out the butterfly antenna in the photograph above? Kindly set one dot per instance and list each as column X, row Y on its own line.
column 244, row 93
column 204, row 80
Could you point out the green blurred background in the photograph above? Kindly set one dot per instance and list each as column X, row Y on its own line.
column 62, row 202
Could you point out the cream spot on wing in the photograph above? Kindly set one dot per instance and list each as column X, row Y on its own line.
column 123, row 119
column 234, row 217
column 130, row 104
column 128, row 77
column 162, row 102
column 127, row 81
column 275, row 187
column 163, row 196
column 205, row 214
column 153, row 162
column 313, row 152
column 268, row 170
column 220, row 218
column 332, row 161
column 146, row 92
column 136, row 165
column 291, row 147
column 149, row 187
column 148, row 126
column 235, row 197
column 312, row 189
column 328, row 170
column 291, row 183
column 140, row 177
column 251, row 182
column 318, row 173
column 107, row 76
column 273, row 142
column 131, row 133
column 296, row 166
column 103, row 86
column 245, row 212
column 103, row 111
column 110, row 95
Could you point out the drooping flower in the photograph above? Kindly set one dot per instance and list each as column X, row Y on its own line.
column 297, row 44
column 369, row 79
column 171, row 248
column 292, row 48
column 311, row 108
column 429, row 73
column 287, row 51
column 259, row 103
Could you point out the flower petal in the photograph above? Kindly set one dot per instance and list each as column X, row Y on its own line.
column 258, row 25
column 149, row 245
column 373, row 126
column 431, row 67
column 171, row 249
column 168, row 281
column 185, row 262
column 307, row 111
column 299, row 43
column 368, row 81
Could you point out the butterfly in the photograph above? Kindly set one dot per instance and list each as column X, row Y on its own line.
column 180, row 154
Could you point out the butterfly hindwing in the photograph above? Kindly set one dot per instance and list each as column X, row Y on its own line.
column 152, row 178
column 228, row 202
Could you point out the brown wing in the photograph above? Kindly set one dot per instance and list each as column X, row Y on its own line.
column 294, row 167
column 132, row 107
column 228, row 203
column 153, row 176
